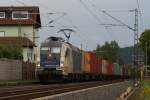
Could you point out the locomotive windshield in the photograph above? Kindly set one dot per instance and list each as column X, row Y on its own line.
column 55, row 50
column 50, row 57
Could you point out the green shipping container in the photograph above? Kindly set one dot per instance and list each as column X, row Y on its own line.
column 117, row 70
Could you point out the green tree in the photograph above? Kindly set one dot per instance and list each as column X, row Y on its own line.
column 108, row 51
column 145, row 43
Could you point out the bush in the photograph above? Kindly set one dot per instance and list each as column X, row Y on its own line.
column 11, row 52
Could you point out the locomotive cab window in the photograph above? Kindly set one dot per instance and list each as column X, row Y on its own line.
column 55, row 50
column 45, row 49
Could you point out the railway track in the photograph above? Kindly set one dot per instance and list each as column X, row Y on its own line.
column 31, row 92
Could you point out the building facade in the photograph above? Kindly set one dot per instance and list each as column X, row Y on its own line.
column 21, row 22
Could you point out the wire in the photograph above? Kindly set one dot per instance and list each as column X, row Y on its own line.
column 108, row 26
column 20, row 2
column 88, row 9
column 138, row 5
column 78, row 29
column 56, row 20
column 140, row 12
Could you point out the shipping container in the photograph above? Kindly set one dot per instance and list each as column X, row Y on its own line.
column 100, row 65
column 109, row 68
column 117, row 69
column 90, row 63
column 86, row 67
column 104, row 68
column 94, row 64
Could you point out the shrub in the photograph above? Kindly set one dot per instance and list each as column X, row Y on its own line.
column 11, row 52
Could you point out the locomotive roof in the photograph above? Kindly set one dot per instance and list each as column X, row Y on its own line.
column 57, row 42
column 51, row 44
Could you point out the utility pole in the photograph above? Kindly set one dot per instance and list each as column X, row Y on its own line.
column 67, row 33
column 134, row 29
column 146, row 61
column 136, row 59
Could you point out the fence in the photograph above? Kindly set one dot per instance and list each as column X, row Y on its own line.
column 10, row 69
column 28, row 71
column 17, row 70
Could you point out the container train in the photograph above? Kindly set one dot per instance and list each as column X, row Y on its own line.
column 63, row 61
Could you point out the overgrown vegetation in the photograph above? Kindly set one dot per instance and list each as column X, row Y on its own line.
column 144, row 92
column 145, row 43
column 10, row 52
column 146, row 85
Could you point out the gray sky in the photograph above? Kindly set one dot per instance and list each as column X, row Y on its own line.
column 88, row 31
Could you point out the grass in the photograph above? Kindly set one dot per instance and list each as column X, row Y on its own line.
column 146, row 89
column 144, row 92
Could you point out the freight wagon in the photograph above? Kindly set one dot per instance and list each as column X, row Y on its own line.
column 63, row 61
column 90, row 65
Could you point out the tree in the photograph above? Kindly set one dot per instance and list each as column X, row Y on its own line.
column 145, row 43
column 108, row 51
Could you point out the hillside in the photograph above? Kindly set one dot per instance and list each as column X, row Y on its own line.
column 126, row 55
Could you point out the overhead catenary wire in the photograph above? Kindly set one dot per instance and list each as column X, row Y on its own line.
column 48, row 13
column 140, row 13
column 44, row 14
column 52, row 12
column 55, row 20
column 84, row 38
column 138, row 6
column 20, row 2
column 107, row 26
column 90, row 11
column 111, row 24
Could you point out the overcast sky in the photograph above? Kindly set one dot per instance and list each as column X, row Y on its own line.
column 86, row 18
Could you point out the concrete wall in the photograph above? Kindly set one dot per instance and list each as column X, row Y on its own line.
column 107, row 92
column 10, row 70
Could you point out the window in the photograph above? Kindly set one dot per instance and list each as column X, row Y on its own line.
column 20, row 15
column 29, row 55
column 2, row 33
column 2, row 14
column 55, row 50
column 45, row 48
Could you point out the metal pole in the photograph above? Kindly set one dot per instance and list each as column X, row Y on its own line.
column 136, row 43
column 136, row 51
column 146, row 60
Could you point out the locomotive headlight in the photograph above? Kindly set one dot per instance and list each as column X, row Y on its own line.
column 61, row 65
column 49, row 55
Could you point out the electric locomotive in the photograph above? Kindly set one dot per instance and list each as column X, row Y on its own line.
column 59, row 60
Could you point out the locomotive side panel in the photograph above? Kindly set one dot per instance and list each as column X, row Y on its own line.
column 77, row 57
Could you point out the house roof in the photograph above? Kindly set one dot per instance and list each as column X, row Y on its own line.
column 21, row 41
column 33, row 11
